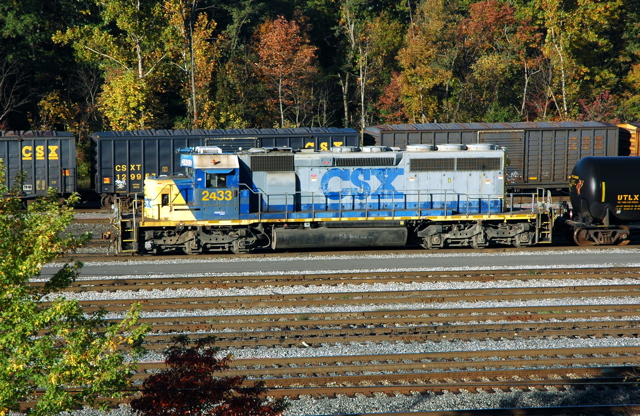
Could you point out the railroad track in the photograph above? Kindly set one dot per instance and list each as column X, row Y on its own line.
column 519, row 367
column 363, row 298
column 296, row 279
column 396, row 316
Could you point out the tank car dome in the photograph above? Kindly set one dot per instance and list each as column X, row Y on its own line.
column 601, row 186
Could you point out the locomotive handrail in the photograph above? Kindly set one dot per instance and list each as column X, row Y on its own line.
column 287, row 201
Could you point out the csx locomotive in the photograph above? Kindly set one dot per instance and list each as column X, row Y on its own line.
column 451, row 195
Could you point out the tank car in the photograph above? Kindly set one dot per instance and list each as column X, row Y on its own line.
column 450, row 195
column 605, row 199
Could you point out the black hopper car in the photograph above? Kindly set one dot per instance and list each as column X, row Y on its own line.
column 35, row 161
column 125, row 158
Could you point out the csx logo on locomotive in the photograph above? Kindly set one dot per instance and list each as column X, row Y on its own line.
column 363, row 180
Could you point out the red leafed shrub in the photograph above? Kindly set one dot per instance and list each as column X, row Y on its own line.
column 192, row 385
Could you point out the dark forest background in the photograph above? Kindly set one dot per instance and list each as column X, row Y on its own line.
column 95, row 65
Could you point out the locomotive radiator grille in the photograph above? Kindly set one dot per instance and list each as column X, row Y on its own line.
column 276, row 163
column 451, row 164
column 365, row 161
column 432, row 165
column 478, row 164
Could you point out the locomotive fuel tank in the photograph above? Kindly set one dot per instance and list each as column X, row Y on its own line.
column 606, row 189
column 339, row 237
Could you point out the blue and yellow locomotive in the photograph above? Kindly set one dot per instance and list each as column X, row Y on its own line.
column 452, row 195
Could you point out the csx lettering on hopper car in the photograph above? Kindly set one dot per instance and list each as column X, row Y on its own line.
column 453, row 195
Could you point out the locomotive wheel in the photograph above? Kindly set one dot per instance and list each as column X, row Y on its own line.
column 153, row 252
column 523, row 240
column 432, row 242
column 192, row 248
column 478, row 241
column 237, row 249
column 581, row 237
column 624, row 237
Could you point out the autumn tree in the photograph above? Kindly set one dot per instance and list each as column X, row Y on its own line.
column 372, row 43
column 491, row 40
column 193, row 51
column 427, row 62
column 578, row 35
column 286, row 63
column 191, row 385
column 387, row 38
column 600, row 109
column 390, row 108
column 127, row 41
column 50, row 350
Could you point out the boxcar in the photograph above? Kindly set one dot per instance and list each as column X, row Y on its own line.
column 126, row 158
column 629, row 139
column 540, row 154
column 46, row 159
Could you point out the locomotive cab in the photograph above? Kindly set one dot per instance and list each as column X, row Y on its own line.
column 208, row 191
column 215, row 179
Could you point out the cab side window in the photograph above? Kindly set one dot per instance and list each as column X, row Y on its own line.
column 215, row 180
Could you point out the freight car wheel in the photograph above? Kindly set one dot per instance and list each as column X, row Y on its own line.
column 624, row 239
column 107, row 201
column 581, row 237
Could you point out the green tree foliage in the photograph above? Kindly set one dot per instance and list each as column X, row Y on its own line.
column 427, row 62
column 194, row 52
column 194, row 63
column 127, row 40
column 192, row 386
column 578, row 39
column 49, row 348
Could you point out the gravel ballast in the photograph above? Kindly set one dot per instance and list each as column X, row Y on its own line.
column 417, row 401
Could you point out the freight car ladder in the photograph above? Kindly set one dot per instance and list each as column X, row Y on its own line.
column 545, row 217
column 128, row 230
